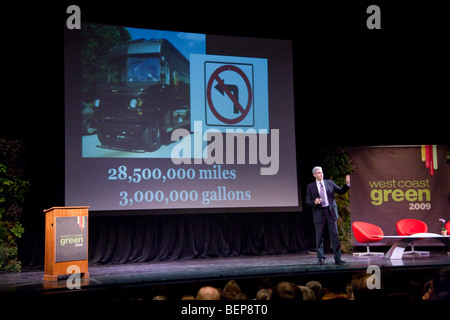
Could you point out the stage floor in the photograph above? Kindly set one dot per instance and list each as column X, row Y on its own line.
column 102, row 277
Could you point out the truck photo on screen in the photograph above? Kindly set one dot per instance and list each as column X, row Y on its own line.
column 135, row 89
column 146, row 95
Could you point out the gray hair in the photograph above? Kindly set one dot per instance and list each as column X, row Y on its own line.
column 316, row 169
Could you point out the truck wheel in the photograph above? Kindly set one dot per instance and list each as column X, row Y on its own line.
column 106, row 139
column 152, row 136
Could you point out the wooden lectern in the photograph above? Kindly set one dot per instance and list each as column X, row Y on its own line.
column 66, row 241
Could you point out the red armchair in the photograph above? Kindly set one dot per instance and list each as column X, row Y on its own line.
column 367, row 233
column 407, row 227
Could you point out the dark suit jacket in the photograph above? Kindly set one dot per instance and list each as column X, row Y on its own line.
column 312, row 193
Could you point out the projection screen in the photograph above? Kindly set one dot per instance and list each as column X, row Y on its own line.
column 164, row 121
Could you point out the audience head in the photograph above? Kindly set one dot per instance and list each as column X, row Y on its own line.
column 231, row 290
column 316, row 287
column 307, row 293
column 360, row 289
column 263, row 294
column 208, row 293
column 286, row 291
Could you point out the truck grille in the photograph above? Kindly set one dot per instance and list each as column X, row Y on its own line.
column 114, row 107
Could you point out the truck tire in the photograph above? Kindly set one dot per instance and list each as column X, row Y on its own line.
column 152, row 136
column 105, row 138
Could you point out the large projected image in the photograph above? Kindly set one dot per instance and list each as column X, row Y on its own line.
column 175, row 120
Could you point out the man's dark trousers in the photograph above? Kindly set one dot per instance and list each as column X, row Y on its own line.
column 331, row 224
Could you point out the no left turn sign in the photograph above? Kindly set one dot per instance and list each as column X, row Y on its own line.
column 232, row 92
column 229, row 92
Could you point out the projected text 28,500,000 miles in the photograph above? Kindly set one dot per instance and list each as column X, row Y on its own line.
column 137, row 175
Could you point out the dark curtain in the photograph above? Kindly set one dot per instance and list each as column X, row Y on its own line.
column 123, row 239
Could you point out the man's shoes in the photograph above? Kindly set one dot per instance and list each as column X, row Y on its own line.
column 336, row 261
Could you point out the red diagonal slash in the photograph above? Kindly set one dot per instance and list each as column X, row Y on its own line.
column 229, row 94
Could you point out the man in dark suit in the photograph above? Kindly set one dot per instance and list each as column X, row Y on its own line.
column 320, row 197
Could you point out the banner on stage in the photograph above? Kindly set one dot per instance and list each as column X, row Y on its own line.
column 399, row 182
column 71, row 238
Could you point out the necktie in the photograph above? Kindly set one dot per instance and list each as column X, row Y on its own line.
column 324, row 202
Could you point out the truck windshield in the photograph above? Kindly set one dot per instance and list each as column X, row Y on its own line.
column 134, row 69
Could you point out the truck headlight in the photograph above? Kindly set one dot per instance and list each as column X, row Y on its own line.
column 133, row 103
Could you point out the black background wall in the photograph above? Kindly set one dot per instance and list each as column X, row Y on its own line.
column 353, row 86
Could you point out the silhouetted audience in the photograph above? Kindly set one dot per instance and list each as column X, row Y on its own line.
column 393, row 288
column 439, row 286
